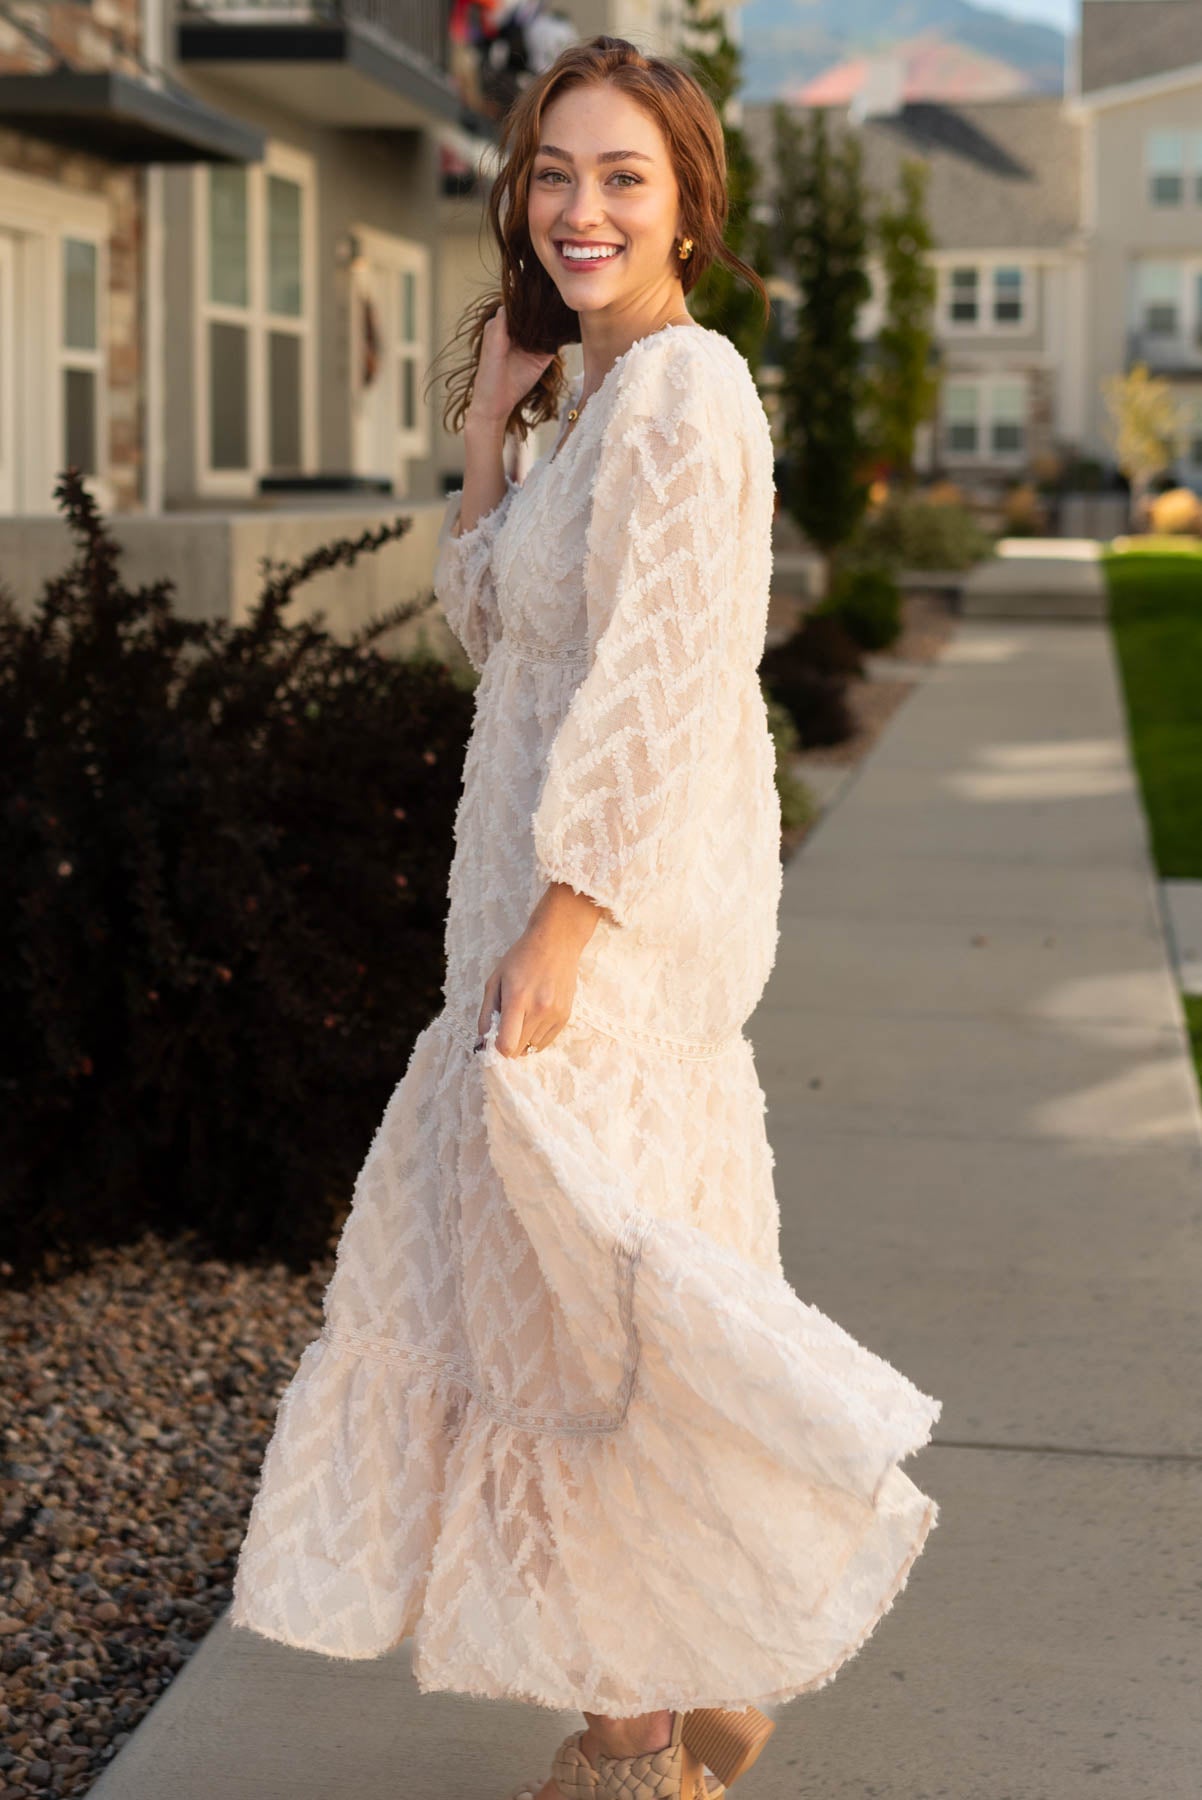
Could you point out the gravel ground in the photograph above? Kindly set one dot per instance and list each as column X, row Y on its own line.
column 136, row 1401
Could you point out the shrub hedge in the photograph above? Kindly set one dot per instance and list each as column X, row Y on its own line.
column 224, row 854
column 866, row 601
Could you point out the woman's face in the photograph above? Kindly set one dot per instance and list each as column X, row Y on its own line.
column 603, row 208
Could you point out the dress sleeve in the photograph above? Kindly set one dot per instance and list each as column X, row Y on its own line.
column 617, row 805
column 463, row 575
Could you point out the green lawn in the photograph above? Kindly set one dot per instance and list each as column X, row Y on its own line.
column 1156, row 615
column 1193, row 1018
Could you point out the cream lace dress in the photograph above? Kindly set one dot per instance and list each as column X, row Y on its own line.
column 565, row 1423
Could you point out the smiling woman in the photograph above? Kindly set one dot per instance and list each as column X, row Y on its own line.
column 566, row 1422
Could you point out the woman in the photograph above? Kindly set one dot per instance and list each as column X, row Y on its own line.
column 566, row 1423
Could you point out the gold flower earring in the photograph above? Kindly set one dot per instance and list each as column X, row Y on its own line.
column 685, row 249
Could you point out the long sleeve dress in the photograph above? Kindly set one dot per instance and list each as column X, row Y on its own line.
column 565, row 1423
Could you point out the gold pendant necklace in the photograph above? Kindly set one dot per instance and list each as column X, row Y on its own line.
column 574, row 412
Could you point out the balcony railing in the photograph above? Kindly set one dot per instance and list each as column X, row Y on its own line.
column 420, row 25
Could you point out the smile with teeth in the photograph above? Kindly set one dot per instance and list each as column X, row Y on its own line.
column 589, row 252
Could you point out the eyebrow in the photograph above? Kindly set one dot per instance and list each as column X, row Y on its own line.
column 606, row 156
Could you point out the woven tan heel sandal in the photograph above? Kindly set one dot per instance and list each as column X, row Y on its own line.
column 725, row 1742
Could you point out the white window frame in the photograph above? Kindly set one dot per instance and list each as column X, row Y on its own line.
column 1024, row 289
column 949, row 298
column 1187, row 339
column 257, row 320
column 40, row 215
column 1191, row 437
column 1179, row 169
column 94, row 362
column 986, row 324
column 985, row 455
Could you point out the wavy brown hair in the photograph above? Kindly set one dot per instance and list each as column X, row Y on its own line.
column 536, row 315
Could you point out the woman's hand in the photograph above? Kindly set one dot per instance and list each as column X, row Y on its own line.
column 504, row 375
column 533, row 985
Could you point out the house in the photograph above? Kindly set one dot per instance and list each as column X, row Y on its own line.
column 301, row 290
column 219, row 227
column 1069, row 242
column 84, row 116
column 1003, row 199
column 1137, row 96
column 232, row 237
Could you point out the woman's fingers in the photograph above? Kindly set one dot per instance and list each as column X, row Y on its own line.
column 490, row 1003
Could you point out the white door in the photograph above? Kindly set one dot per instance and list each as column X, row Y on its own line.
column 9, row 397
column 375, row 430
column 390, row 298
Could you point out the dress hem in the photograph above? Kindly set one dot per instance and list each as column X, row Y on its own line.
column 658, row 1699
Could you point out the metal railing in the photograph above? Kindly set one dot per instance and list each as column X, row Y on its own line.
column 420, row 25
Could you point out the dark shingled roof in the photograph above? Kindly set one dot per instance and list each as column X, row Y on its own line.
column 1124, row 40
column 1004, row 174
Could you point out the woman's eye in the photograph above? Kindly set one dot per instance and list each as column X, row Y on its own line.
column 622, row 175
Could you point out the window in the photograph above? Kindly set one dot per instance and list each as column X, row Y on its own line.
column 1007, row 417
column 1166, row 167
column 963, row 309
column 1192, row 444
column 257, row 320
column 986, row 296
column 1007, row 295
column 81, row 357
column 408, row 352
column 985, row 417
column 1158, row 298
column 960, row 415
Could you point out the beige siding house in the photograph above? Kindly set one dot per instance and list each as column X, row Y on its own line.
column 1069, row 243
column 1138, row 97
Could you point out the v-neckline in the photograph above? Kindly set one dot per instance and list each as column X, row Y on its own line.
column 660, row 331
column 561, row 441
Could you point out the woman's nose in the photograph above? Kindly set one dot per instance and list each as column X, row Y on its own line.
column 583, row 209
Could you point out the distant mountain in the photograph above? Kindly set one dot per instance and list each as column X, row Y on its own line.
column 786, row 43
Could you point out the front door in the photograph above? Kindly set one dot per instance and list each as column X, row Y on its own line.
column 389, row 336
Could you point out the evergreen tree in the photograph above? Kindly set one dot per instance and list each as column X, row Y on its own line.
column 719, row 299
column 903, row 387
column 822, row 246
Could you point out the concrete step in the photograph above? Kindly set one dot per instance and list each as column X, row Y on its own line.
column 1037, row 578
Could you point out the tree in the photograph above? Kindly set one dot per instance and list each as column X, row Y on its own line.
column 903, row 386
column 720, row 300
column 822, row 245
column 1144, row 428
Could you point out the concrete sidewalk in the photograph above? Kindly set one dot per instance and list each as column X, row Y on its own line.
column 989, row 1160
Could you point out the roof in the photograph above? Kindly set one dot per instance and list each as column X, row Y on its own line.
column 929, row 67
column 1129, row 40
column 1003, row 174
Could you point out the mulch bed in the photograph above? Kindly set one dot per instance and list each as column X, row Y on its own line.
column 136, row 1401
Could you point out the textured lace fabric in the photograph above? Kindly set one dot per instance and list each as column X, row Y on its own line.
column 565, row 1423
